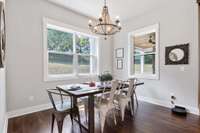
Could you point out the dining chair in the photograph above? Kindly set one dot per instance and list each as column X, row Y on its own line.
column 104, row 95
column 125, row 100
column 62, row 106
column 134, row 91
column 103, row 105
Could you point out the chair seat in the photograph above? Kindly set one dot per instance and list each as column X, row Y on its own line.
column 121, row 98
column 104, row 104
column 63, row 107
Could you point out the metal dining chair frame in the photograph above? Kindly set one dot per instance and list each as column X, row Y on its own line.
column 60, row 115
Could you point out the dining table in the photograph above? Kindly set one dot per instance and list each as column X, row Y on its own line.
column 84, row 90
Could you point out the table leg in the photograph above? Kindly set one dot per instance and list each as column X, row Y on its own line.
column 133, row 105
column 91, row 117
column 77, row 114
column 74, row 101
column 74, row 105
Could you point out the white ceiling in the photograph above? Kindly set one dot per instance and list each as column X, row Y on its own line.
column 123, row 8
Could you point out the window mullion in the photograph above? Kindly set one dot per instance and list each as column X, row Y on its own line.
column 75, row 59
column 91, row 58
column 142, row 64
column 151, row 53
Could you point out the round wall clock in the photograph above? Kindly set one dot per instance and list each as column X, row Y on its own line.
column 2, row 35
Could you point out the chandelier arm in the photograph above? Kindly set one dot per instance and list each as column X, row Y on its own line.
column 112, row 33
column 102, row 28
column 108, row 24
column 107, row 34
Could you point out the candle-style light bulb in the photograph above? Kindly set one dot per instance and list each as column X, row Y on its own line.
column 119, row 24
column 90, row 22
column 109, row 29
column 117, row 17
column 95, row 28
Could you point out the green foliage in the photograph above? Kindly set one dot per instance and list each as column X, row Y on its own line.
column 63, row 42
column 148, row 59
column 60, row 41
column 105, row 77
column 82, row 45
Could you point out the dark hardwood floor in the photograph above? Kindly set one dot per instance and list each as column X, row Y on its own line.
column 148, row 119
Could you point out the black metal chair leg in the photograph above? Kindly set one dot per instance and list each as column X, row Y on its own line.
column 71, row 116
column 79, row 120
column 52, row 122
column 132, row 107
column 60, row 125
column 136, row 99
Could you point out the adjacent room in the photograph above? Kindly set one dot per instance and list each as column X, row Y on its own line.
column 99, row 66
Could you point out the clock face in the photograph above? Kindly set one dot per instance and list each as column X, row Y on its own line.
column 2, row 36
column 176, row 54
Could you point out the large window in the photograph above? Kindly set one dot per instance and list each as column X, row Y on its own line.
column 68, row 52
column 143, row 53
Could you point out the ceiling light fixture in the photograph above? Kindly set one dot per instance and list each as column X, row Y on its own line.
column 104, row 25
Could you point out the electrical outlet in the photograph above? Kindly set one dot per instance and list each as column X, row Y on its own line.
column 173, row 99
column 172, row 96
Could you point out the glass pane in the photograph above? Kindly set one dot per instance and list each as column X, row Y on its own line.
column 137, row 52
column 137, row 65
column 60, row 41
column 60, row 63
column 145, row 43
column 82, row 44
column 84, row 64
column 149, row 64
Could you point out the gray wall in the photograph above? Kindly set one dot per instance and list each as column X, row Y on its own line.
column 178, row 24
column 25, row 50
column 2, row 99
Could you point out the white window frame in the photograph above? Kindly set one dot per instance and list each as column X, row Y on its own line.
column 67, row 28
column 145, row 30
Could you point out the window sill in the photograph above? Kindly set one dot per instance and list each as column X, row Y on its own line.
column 68, row 77
column 139, row 76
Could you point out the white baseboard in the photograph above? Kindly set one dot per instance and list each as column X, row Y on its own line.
column 154, row 101
column 5, row 126
column 193, row 110
column 190, row 109
column 28, row 110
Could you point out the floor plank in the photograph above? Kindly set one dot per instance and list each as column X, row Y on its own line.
column 148, row 118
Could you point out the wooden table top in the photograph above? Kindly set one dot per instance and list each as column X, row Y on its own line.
column 81, row 90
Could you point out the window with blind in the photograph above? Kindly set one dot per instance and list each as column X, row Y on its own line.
column 143, row 61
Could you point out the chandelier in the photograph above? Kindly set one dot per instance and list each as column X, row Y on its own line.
column 104, row 25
